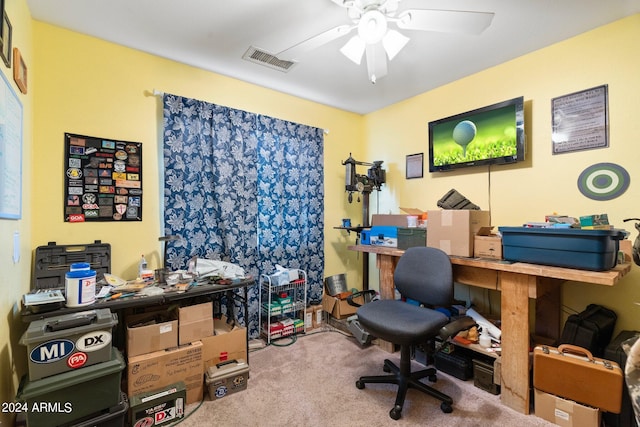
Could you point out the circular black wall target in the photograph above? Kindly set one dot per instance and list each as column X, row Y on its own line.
column 603, row 181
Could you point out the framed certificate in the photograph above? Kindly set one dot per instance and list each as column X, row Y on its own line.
column 415, row 166
column 580, row 120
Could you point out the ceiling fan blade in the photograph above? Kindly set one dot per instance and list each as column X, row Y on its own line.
column 376, row 62
column 393, row 43
column 343, row 3
column 314, row 42
column 446, row 21
column 354, row 49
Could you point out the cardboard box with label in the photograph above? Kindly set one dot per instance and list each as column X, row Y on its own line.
column 229, row 342
column 487, row 245
column 151, row 331
column 565, row 413
column 339, row 308
column 453, row 231
column 195, row 322
column 159, row 369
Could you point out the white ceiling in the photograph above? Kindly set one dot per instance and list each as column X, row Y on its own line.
column 214, row 34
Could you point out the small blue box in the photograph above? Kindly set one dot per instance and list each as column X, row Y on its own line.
column 595, row 250
column 384, row 235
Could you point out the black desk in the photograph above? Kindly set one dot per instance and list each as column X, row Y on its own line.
column 202, row 290
column 147, row 301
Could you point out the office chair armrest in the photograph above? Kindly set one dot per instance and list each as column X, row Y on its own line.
column 369, row 292
column 460, row 324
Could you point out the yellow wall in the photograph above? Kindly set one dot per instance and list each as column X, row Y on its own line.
column 83, row 85
column 545, row 183
column 14, row 277
column 96, row 88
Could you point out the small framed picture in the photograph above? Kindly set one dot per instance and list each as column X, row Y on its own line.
column 19, row 71
column 5, row 41
column 415, row 165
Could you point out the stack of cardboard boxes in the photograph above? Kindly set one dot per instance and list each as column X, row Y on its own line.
column 174, row 345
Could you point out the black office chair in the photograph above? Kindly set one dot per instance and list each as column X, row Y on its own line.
column 425, row 275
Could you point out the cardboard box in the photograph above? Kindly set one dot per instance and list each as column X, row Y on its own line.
column 159, row 369
column 487, row 245
column 340, row 309
column 565, row 413
column 394, row 220
column 227, row 343
column 453, row 231
column 318, row 317
column 313, row 316
column 150, row 332
column 195, row 322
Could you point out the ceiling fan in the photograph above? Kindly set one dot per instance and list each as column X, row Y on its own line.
column 372, row 19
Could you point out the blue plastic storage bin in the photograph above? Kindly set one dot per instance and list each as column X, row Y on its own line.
column 595, row 250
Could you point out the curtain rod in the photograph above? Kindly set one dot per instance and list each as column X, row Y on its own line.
column 157, row 92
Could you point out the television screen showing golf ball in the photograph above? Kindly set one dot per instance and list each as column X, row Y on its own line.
column 489, row 135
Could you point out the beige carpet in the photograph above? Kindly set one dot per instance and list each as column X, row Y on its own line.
column 312, row 383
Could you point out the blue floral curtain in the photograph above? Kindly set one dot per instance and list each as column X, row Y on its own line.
column 243, row 188
column 291, row 199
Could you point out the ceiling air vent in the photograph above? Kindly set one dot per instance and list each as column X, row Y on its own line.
column 253, row 54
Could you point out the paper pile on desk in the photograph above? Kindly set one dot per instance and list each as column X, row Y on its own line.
column 203, row 267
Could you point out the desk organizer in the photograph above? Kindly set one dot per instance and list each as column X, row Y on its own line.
column 595, row 250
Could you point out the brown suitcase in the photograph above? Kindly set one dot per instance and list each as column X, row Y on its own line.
column 573, row 373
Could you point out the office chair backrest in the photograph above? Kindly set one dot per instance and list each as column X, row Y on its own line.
column 424, row 274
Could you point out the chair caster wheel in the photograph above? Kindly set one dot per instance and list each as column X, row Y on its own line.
column 395, row 412
column 432, row 378
column 446, row 407
column 359, row 384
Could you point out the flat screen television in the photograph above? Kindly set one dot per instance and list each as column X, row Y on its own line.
column 486, row 136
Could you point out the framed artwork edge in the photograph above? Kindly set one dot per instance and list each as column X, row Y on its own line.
column 5, row 40
column 19, row 71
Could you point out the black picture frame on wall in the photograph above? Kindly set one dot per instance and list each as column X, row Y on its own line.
column 2, row 11
column 6, row 31
column 415, row 165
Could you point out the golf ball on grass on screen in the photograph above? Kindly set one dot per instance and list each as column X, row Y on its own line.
column 463, row 134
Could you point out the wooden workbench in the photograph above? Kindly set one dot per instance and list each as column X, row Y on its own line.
column 517, row 282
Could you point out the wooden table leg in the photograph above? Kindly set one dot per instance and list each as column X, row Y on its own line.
column 515, row 341
column 387, row 266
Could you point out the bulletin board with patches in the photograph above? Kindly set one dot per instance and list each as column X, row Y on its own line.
column 103, row 179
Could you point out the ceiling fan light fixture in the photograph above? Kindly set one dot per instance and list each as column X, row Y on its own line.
column 354, row 49
column 372, row 26
column 393, row 43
